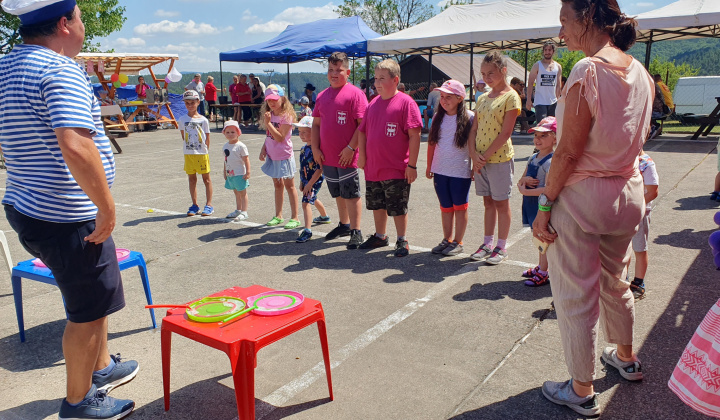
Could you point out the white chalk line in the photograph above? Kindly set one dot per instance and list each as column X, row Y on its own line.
column 288, row 391
column 282, row 395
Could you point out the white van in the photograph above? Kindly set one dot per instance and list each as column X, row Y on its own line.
column 696, row 95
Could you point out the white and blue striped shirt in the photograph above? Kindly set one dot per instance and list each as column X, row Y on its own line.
column 41, row 91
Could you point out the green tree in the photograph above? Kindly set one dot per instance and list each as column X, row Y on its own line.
column 101, row 18
column 358, row 70
column 457, row 3
column 388, row 16
column 670, row 72
column 567, row 60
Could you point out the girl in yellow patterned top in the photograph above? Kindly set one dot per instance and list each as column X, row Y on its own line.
column 492, row 154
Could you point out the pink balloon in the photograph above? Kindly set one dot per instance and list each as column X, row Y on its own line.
column 123, row 84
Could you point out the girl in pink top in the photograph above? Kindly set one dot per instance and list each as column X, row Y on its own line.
column 277, row 152
column 593, row 197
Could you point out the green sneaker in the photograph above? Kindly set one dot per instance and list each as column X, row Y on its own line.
column 292, row 224
column 275, row 221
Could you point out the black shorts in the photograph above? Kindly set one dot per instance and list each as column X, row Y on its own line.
column 391, row 195
column 246, row 112
column 87, row 274
column 342, row 182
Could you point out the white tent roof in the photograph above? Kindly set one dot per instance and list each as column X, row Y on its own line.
column 481, row 24
column 510, row 24
column 681, row 19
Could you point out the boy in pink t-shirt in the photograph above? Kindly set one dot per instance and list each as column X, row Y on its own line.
column 389, row 144
column 338, row 111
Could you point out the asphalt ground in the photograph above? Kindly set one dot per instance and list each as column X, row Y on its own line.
column 420, row 337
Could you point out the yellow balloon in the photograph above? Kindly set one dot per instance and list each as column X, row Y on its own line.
column 123, row 78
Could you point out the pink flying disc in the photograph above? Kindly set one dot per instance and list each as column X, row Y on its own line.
column 122, row 253
column 276, row 302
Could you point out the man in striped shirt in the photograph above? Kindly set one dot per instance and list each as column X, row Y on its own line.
column 59, row 171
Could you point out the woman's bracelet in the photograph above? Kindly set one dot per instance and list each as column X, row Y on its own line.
column 350, row 147
column 412, row 167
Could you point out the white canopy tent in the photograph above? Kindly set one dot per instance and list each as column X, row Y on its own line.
column 479, row 27
column 507, row 25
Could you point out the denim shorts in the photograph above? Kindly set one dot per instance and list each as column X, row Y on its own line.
column 87, row 274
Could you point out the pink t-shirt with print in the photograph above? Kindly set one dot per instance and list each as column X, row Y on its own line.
column 279, row 150
column 339, row 109
column 386, row 125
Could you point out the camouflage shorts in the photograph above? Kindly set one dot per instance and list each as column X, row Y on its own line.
column 391, row 195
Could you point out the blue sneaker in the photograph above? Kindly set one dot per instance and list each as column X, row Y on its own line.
column 122, row 373
column 207, row 211
column 193, row 210
column 304, row 236
column 96, row 405
column 324, row 220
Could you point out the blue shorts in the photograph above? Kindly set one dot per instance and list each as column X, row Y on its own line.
column 87, row 274
column 453, row 193
column 529, row 210
column 237, row 183
column 310, row 198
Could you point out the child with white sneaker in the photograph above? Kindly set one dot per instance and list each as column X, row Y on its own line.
column 278, row 115
column 311, row 179
column 640, row 240
column 449, row 164
column 236, row 168
column 532, row 184
column 492, row 155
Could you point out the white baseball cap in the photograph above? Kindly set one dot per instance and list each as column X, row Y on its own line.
column 190, row 95
column 305, row 122
column 231, row 123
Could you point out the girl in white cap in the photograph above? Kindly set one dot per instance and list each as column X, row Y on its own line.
column 236, row 168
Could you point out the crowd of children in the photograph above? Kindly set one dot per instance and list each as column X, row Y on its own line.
column 345, row 133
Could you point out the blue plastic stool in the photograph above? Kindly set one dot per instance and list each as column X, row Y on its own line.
column 28, row 270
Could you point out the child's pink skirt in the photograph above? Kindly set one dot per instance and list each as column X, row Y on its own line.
column 696, row 378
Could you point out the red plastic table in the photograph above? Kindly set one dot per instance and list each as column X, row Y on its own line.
column 241, row 340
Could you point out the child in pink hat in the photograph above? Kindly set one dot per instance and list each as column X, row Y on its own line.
column 449, row 164
column 532, row 184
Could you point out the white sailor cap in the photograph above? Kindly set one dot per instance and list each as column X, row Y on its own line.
column 32, row 12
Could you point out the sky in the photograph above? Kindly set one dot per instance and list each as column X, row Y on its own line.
column 198, row 30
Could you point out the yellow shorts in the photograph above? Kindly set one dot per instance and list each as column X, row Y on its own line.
column 197, row 164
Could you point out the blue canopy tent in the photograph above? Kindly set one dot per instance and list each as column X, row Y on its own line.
column 308, row 41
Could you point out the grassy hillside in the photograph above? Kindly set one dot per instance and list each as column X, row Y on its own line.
column 297, row 81
column 701, row 53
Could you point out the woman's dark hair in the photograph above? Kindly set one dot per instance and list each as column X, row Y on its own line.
column 463, row 126
column 606, row 16
column 43, row 29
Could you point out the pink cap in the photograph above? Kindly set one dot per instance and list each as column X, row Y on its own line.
column 453, row 87
column 274, row 92
column 547, row 124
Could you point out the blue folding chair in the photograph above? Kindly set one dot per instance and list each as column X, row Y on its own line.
column 28, row 270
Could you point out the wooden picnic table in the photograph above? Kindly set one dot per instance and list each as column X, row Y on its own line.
column 709, row 122
column 220, row 107
column 146, row 108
